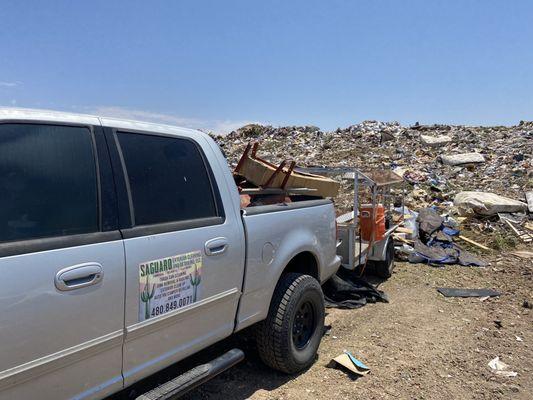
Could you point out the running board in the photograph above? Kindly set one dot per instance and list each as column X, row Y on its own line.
column 181, row 384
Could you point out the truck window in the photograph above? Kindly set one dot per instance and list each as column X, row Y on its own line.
column 168, row 179
column 48, row 184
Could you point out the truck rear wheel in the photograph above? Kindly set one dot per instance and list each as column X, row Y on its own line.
column 289, row 337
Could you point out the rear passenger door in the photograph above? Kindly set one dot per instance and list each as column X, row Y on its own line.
column 61, row 264
column 184, row 251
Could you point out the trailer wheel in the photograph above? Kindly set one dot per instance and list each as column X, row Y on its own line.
column 384, row 268
column 288, row 339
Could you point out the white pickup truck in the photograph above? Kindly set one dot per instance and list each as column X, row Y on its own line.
column 124, row 249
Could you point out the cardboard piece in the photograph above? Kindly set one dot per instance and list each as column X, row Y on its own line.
column 348, row 361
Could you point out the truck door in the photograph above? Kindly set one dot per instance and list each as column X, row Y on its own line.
column 184, row 251
column 61, row 264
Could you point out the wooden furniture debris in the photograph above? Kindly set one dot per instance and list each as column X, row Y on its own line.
column 267, row 175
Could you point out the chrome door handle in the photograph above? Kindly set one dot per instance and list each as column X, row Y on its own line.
column 79, row 276
column 216, row 246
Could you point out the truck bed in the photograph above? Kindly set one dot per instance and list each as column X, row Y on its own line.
column 274, row 235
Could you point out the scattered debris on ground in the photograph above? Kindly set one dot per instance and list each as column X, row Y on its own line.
column 500, row 368
column 419, row 345
column 352, row 364
column 459, row 292
column 523, row 254
column 346, row 290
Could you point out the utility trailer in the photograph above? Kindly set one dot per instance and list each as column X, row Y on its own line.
column 372, row 248
column 362, row 239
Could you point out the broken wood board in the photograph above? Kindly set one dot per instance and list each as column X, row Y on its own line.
column 473, row 242
column 522, row 254
column 402, row 239
column 459, row 292
column 524, row 235
column 402, row 229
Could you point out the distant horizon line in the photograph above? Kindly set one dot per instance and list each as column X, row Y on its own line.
column 231, row 126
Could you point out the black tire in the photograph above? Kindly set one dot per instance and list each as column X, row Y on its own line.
column 287, row 340
column 384, row 268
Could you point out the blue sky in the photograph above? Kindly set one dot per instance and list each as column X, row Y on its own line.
column 220, row 64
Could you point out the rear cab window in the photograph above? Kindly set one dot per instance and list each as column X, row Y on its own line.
column 48, row 181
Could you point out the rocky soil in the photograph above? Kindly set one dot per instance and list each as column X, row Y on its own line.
column 421, row 345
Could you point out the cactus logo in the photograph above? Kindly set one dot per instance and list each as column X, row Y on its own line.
column 169, row 284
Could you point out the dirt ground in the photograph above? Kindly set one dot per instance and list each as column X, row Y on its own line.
column 420, row 345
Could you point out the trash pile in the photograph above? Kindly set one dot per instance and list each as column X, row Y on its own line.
column 435, row 245
column 478, row 176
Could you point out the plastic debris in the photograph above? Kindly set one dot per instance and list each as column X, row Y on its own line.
column 345, row 290
column 500, row 368
column 435, row 245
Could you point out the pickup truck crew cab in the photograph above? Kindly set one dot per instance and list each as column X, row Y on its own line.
column 124, row 249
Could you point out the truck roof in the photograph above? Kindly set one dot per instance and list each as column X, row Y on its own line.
column 27, row 114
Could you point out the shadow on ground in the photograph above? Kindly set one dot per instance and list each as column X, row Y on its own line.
column 239, row 382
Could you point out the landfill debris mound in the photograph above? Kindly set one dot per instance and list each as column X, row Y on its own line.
column 436, row 161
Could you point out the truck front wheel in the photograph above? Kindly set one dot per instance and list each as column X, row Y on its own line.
column 289, row 337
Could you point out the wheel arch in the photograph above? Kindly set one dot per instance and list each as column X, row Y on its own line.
column 305, row 263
